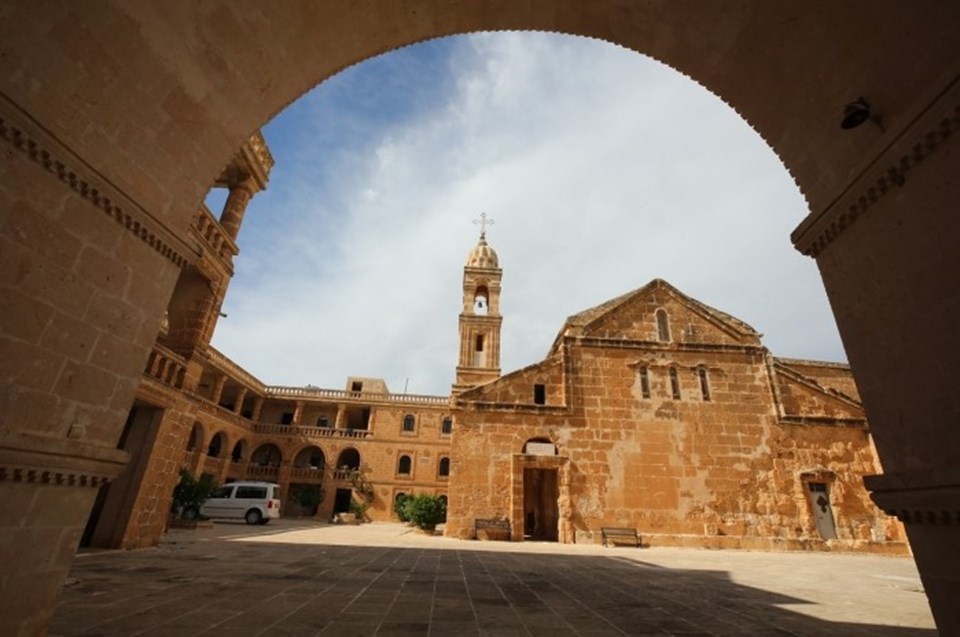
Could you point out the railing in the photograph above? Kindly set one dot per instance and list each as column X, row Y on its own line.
column 234, row 370
column 223, row 412
column 262, row 471
column 212, row 465
column 343, row 474
column 274, row 391
column 190, row 457
column 311, row 432
column 213, row 234
column 165, row 366
column 306, row 473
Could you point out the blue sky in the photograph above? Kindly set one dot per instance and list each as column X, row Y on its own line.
column 603, row 169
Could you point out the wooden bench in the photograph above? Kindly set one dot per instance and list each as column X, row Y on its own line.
column 492, row 529
column 614, row 535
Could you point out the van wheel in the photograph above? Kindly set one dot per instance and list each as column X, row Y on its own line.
column 253, row 516
column 190, row 514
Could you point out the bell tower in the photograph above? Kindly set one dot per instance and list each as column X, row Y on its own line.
column 480, row 318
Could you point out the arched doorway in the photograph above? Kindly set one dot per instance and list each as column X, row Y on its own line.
column 781, row 67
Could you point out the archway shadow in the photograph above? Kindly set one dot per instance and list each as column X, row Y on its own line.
column 268, row 588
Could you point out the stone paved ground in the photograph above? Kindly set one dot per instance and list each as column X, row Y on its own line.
column 304, row 578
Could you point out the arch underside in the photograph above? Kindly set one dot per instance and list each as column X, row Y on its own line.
column 115, row 118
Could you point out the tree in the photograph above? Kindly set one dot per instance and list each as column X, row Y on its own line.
column 190, row 494
column 308, row 496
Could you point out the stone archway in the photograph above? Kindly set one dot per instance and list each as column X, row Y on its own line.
column 115, row 118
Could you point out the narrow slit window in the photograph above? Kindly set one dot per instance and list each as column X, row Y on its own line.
column 675, row 383
column 539, row 395
column 645, row 382
column 479, row 343
column 663, row 326
column 704, row 383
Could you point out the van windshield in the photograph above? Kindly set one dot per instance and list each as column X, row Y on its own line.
column 221, row 492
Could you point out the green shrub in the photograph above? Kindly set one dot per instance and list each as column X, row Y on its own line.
column 400, row 507
column 426, row 511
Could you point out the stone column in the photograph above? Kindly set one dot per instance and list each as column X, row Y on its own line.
column 241, row 396
column 236, row 206
column 218, row 390
column 297, row 413
column 340, row 422
column 887, row 251
column 257, row 409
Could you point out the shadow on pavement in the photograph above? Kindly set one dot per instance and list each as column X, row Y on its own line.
column 245, row 588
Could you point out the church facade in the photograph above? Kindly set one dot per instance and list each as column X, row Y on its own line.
column 658, row 413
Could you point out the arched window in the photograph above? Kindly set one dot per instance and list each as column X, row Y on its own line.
column 239, row 451
column 444, row 469
column 403, row 466
column 267, row 455
column 216, row 445
column 409, row 423
column 704, row 382
column 348, row 459
column 675, row 383
column 663, row 326
column 447, row 426
column 479, row 358
column 645, row 382
column 310, row 457
column 481, row 301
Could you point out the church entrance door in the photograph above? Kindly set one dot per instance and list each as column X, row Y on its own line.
column 541, row 515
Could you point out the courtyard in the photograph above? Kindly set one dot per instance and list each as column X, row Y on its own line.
column 298, row 577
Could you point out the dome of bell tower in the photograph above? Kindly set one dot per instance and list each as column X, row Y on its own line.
column 483, row 256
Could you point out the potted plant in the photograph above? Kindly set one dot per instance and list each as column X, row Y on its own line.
column 359, row 510
column 426, row 512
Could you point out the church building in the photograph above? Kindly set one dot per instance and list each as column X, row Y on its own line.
column 656, row 412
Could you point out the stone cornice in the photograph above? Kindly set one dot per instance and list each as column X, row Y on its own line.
column 35, row 459
column 918, row 497
column 22, row 133
column 929, row 132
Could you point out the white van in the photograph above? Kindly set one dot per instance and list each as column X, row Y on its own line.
column 255, row 502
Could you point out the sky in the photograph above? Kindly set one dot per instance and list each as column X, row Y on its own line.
column 601, row 168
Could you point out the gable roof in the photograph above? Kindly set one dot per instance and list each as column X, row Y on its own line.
column 583, row 320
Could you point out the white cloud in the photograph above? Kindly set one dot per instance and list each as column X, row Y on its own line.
column 603, row 169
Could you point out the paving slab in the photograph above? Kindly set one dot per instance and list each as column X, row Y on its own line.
column 308, row 578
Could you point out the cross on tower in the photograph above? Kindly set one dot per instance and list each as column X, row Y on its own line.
column 483, row 222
